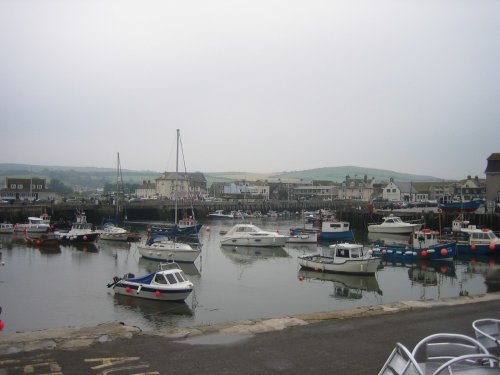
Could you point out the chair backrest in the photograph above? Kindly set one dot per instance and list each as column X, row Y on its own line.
column 487, row 332
column 401, row 362
column 442, row 347
column 476, row 364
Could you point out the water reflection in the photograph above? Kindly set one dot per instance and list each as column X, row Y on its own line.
column 389, row 238
column 310, row 248
column 151, row 266
column 486, row 266
column 88, row 247
column 250, row 254
column 344, row 286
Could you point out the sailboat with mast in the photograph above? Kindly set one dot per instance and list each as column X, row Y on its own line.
column 110, row 230
column 161, row 246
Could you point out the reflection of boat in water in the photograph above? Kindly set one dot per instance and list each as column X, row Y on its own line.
column 88, row 247
column 249, row 254
column 425, row 271
column 345, row 286
column 389, row 238
column 305, row 247
column 153, row 308
column 150, row 265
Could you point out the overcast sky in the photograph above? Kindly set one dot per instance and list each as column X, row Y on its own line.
column 258, row 86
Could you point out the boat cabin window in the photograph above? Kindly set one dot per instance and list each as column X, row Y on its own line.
column 335, row 225
column 342, row 253
column 180, row 277
column 160, row 279
column 171, row 278
column 356, row 253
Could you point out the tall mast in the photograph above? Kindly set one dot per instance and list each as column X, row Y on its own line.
column 176, row 172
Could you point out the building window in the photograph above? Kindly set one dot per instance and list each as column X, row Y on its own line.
column 13, row 186
column 19, row 186
column 39, row 186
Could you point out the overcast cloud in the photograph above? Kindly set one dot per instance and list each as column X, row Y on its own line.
column 259, row 86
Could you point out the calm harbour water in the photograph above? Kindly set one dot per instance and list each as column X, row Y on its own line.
column 67, row 287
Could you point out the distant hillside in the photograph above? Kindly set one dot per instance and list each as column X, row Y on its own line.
column 336, row 174
column 94, row 178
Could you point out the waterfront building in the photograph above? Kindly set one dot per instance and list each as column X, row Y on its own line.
column 26, row 189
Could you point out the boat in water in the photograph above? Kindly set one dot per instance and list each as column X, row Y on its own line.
column 394, row 224
column 111, row 232
column 426, row 245
column 164, row 249
column 168, row 283
column 342, row 258
column 457, row 203
column 221, row 214
column 81, row 231
column 35, row 225
column 251, row 235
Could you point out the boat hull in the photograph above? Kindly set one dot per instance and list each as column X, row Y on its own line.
column 152, row 292
column 348, row 266
column 483, row 249
column 407, row 229
column 78, row 238
column 460, row 206
column 335, row 236
column 255, row 241
column 179, row 254
column 445, row 252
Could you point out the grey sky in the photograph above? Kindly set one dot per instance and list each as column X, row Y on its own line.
column 257, row 86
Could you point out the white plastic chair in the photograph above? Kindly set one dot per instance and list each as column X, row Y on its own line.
column 488, row 332
column 434, row 350
column 400, row 362
column 471, row 364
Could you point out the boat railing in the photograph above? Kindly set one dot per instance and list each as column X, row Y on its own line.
column 170, row 265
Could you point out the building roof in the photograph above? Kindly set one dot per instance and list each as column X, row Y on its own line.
column 493, row 164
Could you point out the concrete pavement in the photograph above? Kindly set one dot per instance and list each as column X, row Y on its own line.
column 340, row 342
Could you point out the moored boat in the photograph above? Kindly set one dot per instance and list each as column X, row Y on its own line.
column 302, row 235
column 111, row 232
column 426, row 245
column 43, row 240
column 343, row 258
column 251, row 235
column 220, row 214
column 81, row 231
column 168, row 283
column 35, row 225
column 6, row 228
column 394, row 224
column 165, row 249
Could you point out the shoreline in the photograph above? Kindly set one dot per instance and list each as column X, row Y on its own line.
column 75, row 338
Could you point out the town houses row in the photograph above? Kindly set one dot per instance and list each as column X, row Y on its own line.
column 194, row 186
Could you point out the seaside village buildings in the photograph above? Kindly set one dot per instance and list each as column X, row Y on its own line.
column 194, row 186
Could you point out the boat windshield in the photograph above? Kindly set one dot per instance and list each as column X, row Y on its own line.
column 160, row 279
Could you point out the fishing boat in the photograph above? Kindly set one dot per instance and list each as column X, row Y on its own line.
column 457, row 203
column 343, row 258
column 81, row 231
column 168, row 283
column 251, row 235
column 184, row 227
column 327, row 227
column 394, row 224
column 426, row 245
column 35, row 225
column 479, row 241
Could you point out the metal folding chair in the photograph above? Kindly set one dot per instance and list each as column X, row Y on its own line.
column 401, row 362
column 471, row 364
column 434, row 350
column 488, row 333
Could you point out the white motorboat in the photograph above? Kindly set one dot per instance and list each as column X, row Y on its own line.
column 343, row 258
column 220, row 214
column 168, row 283
column 164, row 249
column 251, row 235
column 6, row 228
column 111, row 232
column 394, row 224
column 34, row 225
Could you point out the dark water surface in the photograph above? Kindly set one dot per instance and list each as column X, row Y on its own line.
column 67, row 287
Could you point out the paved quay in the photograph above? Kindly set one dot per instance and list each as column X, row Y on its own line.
column 354, row 341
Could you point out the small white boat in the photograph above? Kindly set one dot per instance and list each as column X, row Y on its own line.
column 6, row 228
column 168, row 283
column 344, row 258
column 394, row 224
column 298, row 235
column 220, row 214
column 34, row 225
column 111, row 232
column 164, row 249
column 251, row 235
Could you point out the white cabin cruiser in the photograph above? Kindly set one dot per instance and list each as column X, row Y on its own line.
column 251, row 235
column 394, row 224
column 162, row 248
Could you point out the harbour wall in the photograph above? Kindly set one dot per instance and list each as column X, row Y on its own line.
column 358, row 213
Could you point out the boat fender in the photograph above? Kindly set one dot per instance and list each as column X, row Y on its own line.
column 431, row 251
column 389, row 251
column 399, row 252
column 409, row 253
column 414, row 253
column 492, row 246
